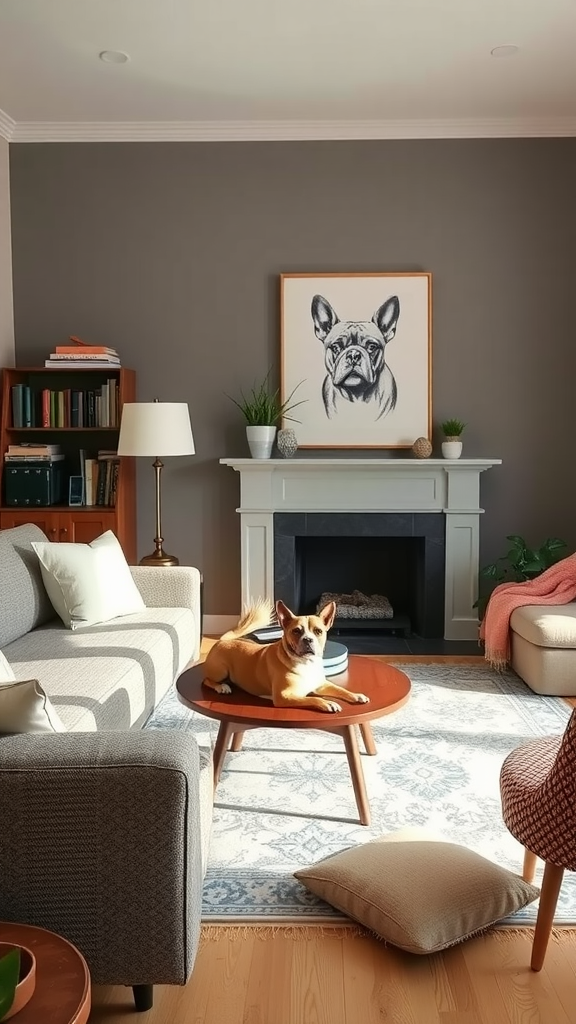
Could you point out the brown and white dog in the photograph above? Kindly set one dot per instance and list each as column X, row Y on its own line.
column 290, row 671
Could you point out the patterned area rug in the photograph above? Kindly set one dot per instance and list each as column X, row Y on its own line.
column 286, row 799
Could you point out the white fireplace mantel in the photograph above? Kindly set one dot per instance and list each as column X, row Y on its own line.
column 366, row 485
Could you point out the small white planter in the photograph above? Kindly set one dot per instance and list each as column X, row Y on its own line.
column 260, row 441
column 451, row 449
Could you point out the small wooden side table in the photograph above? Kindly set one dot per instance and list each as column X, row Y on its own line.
column 62, row 993
column 388, row 689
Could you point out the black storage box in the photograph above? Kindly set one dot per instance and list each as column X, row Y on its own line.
column 33, row 484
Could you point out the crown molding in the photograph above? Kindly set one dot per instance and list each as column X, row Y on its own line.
column 282, row 131
column 7, row 126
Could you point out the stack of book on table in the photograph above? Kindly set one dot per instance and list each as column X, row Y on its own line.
column 34, row 452
column 79, row 355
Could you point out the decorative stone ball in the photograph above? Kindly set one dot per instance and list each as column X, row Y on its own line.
column 287, row 443
column 422, row 448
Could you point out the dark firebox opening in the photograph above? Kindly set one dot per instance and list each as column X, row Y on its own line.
column 391, row 566
column 399, row 555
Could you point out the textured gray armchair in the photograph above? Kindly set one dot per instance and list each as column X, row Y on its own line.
column 103, row 840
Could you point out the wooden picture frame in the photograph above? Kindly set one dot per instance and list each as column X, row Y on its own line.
column 357, row 349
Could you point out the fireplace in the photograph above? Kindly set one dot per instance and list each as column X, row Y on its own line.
column 400, row 556
column 427, row 508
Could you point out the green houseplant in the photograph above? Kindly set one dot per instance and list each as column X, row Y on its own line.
column 9, row 975
column 452, row 429
column 520, row 563
column 452, row 444
column 17, row 978
column 263, row 410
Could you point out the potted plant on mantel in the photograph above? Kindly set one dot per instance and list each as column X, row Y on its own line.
column 263, row 410
column 452, row 445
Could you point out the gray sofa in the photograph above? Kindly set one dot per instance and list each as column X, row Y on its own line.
column 105, row 828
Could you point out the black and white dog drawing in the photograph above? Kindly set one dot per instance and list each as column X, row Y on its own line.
column 354, row 356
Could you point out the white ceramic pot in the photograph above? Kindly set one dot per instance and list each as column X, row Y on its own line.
column 260, row 441
column 451, row 449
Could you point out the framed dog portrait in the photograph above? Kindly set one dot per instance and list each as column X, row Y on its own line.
column 357, row 349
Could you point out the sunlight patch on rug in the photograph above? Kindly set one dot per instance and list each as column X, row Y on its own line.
column 286, row 799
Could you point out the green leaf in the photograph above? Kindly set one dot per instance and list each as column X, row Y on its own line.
column 9, row 973
column 519, row 542
column 489, row 571
column 263, row 408
column 535, row 564
column 553, row 546
column 452, row 427
column 519, row 564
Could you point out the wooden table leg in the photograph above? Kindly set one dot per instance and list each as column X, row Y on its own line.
column 237, row 741
column 220, row 748
column 353, row 754
column 368, row 737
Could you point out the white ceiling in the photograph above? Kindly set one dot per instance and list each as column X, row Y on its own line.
column 286, row 68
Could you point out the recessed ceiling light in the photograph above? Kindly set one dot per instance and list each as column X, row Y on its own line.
column 506, row 50
column 113, row 57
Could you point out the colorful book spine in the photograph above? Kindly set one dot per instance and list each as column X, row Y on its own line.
column 17, row 405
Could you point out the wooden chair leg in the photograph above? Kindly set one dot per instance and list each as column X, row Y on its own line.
column 548, row 899
column 529, row 869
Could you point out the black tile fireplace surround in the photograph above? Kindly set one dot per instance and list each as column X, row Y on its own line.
column 323, row 551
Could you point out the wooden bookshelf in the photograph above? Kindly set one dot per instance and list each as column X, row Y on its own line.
column 62, row 522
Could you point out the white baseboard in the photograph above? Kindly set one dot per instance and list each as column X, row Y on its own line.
column 215, row 625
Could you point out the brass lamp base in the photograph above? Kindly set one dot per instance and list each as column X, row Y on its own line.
column 159, row 558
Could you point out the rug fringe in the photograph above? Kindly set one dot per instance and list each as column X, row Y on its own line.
column 255, row 930
column 213, row 932
column 559, row 933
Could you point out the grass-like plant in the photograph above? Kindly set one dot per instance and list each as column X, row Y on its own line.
column 9, row 974
column 262, row 406
column 452, row 428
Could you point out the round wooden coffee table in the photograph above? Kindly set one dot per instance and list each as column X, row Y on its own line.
column 62, row 992
column 388, row 689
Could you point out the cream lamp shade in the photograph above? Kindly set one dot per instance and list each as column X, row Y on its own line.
column 156, row 429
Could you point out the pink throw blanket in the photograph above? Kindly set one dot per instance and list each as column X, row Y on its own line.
column 557, row 585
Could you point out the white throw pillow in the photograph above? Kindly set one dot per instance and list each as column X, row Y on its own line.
column 88, row 583
column 6, row 673
column 24, row 707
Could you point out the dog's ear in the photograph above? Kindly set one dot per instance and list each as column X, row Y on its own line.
column 283, row 614
column 386, row 318
column 323, row 316
column 328, row 614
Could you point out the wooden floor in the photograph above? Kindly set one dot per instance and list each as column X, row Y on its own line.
column 317, row 976
column 357, row 980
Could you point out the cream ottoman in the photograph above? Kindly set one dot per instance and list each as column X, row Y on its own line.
column 543, row 647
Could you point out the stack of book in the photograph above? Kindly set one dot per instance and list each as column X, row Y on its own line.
column 33, row 453
column 79, row 355
column 97, row 407
column 100, row 476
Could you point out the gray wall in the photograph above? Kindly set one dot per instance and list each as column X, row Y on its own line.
column 6, row 316
column 171, row 252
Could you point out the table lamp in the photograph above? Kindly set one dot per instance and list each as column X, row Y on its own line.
column 156, row 429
